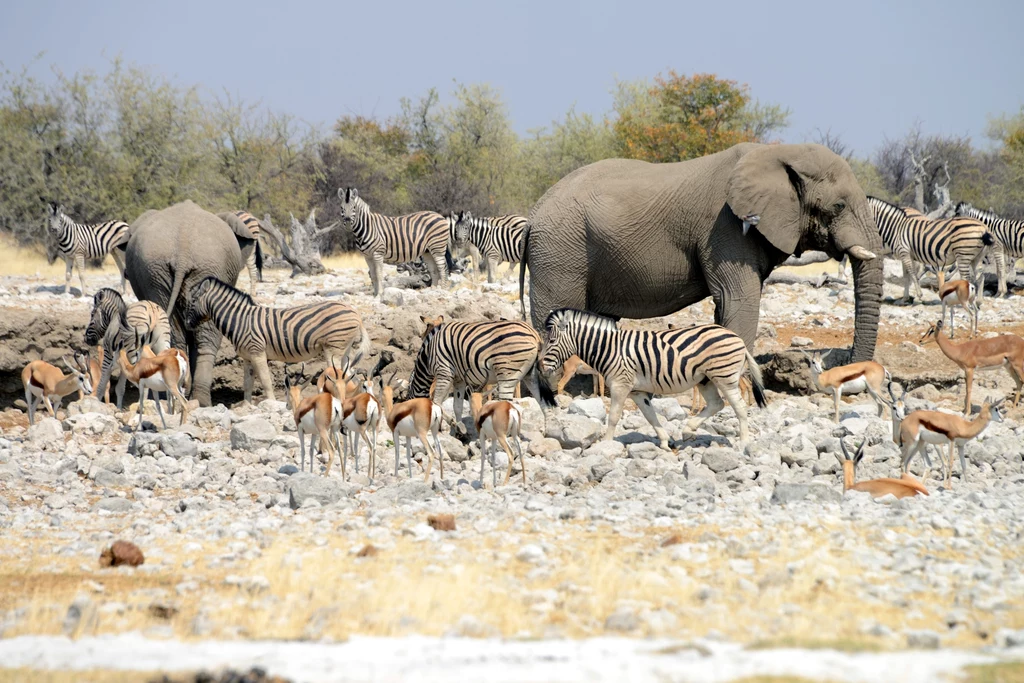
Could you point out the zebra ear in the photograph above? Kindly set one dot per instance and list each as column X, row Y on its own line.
column 467, row 215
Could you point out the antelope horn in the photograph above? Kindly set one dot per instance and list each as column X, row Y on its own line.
column 842, row 444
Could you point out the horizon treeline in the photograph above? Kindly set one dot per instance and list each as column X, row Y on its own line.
column 112, row 145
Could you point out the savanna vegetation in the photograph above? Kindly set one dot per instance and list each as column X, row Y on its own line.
column 111, row 145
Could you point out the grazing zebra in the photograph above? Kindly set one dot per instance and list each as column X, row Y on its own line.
column 497, row 239
column 1008, row 236
column 260, row 333
column 933, row 243
column 118, row 326
column 253, row 254
column 396, row 239
column 75, row 242
column 640, row 363
column 472, row 354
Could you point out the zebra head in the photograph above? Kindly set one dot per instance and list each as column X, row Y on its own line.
column 199, row 305
column 352, row 207
column 106, row 305
column 423, row 370
column 54, row 231
column 560, row 343
column 462, row 224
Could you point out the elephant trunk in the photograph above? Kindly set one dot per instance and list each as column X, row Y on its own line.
column 867, row 281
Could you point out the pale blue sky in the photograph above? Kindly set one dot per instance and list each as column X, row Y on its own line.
column 865, row 69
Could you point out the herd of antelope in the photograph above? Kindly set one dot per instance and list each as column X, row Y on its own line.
column 346, row 410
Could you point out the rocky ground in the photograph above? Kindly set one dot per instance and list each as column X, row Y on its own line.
column 712, row 541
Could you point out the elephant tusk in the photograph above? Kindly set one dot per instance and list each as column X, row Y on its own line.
column 749, row 221
column 860, row 253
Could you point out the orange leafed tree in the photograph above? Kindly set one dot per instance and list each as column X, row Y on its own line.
column 684, row 117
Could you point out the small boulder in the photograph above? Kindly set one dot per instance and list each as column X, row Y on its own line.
column 252, row 434
column 46, row 431
column 305, row 486
column 789, row 493
column 720, row 459
column 574, row 431
column 588, row 407
column 113, row 504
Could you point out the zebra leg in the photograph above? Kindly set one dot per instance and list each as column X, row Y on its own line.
column 266, row 379
column 116, row 253
column 619, row 395
column 1000, row 258
column 441, row 265
column 712, row 404
column 909, row 275
column 247, row 380
column 733, row 396
column 69, row 263
column 492, row 263
column 80, row 264
column 643, row 402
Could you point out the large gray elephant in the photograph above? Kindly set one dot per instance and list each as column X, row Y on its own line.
column 632, row 239
column 169, row 252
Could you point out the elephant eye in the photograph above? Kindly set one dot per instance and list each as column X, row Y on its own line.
column 839, row 206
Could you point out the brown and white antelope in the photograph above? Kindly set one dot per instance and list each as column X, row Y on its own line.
column 318, row 415
column 165, row 371
column 963, row 294
column 851, row 379
column 95, row 372
column 901, row 488
column 992, row 353
column 46, row 383
column 413, row 418
column 924, row 427
column 360, row 413
column 575, row 366
column 497, row 422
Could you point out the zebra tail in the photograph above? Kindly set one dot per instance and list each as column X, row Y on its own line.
column 545, row 395
column 757, row 382
column 522, row 271
column 179, row 277
column 259, row 261
column 987, row 240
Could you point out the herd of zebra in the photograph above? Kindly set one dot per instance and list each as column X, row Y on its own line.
column 455, row 356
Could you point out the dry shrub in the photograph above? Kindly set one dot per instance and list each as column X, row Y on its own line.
column 441, row 522
column 121, row 552
column 368, row 550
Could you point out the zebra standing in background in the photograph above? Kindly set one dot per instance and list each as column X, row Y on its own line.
column 935, row 243
column 640, row 363
column 76, row 242
column 118, row 326
column 260, row 333
column 498, row 238
column 1009, row 240
column 253, row 254
column 396, row 239
column 472, row 354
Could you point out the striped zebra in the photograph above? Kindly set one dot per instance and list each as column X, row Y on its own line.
column 76, row 242
column 261, row 334
column 117, row 326
column 640, row 363
column 396, row 239
column 253, row 254
column 1008, row 236
column 498, row 239
column 935, row 243
column 472, row 354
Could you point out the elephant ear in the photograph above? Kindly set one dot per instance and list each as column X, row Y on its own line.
column 765, row 190
column 242, row 232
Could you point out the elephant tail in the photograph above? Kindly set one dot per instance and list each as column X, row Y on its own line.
column 259, row 261
column 757, row 381
column 179, row 278
column 522, row 269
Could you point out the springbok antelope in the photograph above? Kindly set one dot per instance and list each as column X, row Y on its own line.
column 497, row 422
column 45, row 382
column 852, row 379
column 95, row 372
column 315, row 415
column 575, row 365
column 360, row 413
column 924, row 427
column 963, row 294
column 1006, row 350
column 901, row 488
column 413, row 418
column 163, row 372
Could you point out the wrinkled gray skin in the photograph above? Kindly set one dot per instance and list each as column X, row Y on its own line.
column 169, row 252
column 632, row 239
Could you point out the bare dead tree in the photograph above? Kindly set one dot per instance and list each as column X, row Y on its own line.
column 303, row 253
column 834, row 142
column 941, row 192
column 920, row 178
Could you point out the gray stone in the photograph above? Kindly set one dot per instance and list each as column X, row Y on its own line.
column 413, row 491
column 287, row 469
column 305, row 486
column 252, row 434
column 923, row 640
column 90, row 404
column 543, row 446
column 1006, row 637
column 107, row 478
column 45, row 431
column 209, row 417
column 788, row 493
column 93, row 424
column 393, row 296
column 531, row 553
column 720, row 459
column 605, row 449
column 669, row 408
column 144, row 443
column 113, row 505
column 574, row 431
column 694, row 471
column 588, row 407
column 623, row 620
column 645, row 450
column 801, row 342
column 178, row 445
column 533, row 414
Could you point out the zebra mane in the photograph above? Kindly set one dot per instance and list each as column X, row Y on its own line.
column 224, row 287
column 108, row 293
column 966, row 209
column 887, row 204
column 585, row 318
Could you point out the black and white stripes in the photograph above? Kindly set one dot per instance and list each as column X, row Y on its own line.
column 640, row 363
column 396, row 239
column 935, row 243
column 498, row 238
column 1008, row 235
column 76, row 242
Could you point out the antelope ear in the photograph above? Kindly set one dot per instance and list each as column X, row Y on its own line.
column 826, row 354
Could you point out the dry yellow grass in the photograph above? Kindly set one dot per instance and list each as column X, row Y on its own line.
column 18, row 260
column 1004, row 672
column 93, row 676
column 344, row 261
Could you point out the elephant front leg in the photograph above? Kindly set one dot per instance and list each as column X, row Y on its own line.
column 738, row 305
